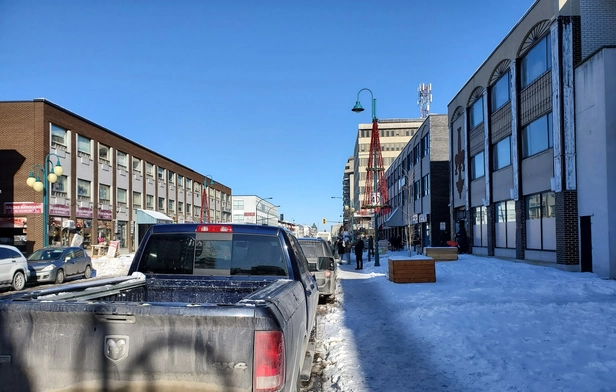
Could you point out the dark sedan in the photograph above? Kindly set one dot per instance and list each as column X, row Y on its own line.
column 55, row 263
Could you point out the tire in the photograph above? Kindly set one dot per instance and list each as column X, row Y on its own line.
column 60, row 276
column 88, row 272
column 19, row 281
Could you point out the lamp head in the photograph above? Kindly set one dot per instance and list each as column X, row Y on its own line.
column 58, row 170
column 357, row 108
column 51, row 177
column 38, row 186
column 31, row 180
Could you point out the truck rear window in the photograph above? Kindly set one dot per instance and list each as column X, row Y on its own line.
column 213, row 254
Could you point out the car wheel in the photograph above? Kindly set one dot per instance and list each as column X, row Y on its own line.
column 19, row 281
column 60, row 277
column 88, row 272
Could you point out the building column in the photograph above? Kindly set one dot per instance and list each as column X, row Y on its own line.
column 520, row 215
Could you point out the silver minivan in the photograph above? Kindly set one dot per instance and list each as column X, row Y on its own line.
column 13, row 268
column 322, row 264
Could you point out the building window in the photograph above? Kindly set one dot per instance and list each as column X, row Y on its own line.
column 502, row 153
column 416, row 153
column 149, row 202
column 505, row 227
column 122, row 160
column 104, row 194
column 188, row 207
column 475, row 114
column 121, row 193
column 480, row 226
column 171, row 177
column 238, row 204
column 541, row 221
column 197, row 211
column 103, row 154
column 425, row 181
column 417, row 189
column 137, row 199
column 537, row 136
column 136, row 165
column 197, row 187
column 171, row 205
column 188, row 184
column 161, row 173
column 58, row 135
column 83, row 189
column 180, row 207
column 60, row 185
column 499, row 92
column 180, row 181
column 477, row 166
column 161, row 204
column 83, row 146
column 425, row 145
column 536, row 62
column 149, row 169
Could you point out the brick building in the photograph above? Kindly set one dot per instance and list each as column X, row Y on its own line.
column 418, row 186
column 111, row 187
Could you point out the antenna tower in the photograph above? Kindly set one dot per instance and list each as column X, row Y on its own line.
column 424, row 97
column 375, row 198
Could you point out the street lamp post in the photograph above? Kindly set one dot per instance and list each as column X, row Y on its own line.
column 268, row 211
column 35, row 182
column 358, row 109
column 257, row 207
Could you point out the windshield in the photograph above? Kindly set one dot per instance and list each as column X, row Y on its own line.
column 312, row 249
column 46, row 254
column 214, row 254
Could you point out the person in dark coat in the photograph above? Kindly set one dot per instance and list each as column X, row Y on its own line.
column 340, row 245
column 370, row 247
column 359, row 250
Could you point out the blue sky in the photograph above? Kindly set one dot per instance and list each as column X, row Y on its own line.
column 256, row 94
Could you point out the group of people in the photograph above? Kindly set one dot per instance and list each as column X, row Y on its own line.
column 344, row 246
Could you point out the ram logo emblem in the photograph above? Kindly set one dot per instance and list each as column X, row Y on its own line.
column 116, row 347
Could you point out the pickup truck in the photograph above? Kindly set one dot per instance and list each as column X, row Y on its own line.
column 208, row 307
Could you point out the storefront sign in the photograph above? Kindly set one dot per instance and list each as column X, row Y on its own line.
column 11, row 208
column 249, row 213
column 59, row 210
column 84, row 212
column 105, row 214
column 414, row 219
column 423, row 218
column 16, row 223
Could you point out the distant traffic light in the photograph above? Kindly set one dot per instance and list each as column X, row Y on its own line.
column 324, row 221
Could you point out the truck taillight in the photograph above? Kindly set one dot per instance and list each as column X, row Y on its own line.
column 269, row 361
column 214, row 229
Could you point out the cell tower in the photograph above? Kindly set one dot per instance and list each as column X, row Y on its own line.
column 424, row 97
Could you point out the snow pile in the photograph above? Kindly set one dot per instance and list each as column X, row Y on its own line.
column 110, row 267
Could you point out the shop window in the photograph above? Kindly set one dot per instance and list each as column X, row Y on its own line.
column 536, row 62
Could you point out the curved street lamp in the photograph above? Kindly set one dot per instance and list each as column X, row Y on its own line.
column 35, row 182
column 268, row 211
column 358, row 109
column 257, row 207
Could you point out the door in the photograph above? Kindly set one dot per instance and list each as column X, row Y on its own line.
column 5, row 265
column 585, row 244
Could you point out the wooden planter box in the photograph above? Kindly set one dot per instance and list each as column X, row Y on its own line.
column 411, row 269
column 441, row 253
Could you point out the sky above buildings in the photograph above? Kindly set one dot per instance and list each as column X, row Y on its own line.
column 256, row 94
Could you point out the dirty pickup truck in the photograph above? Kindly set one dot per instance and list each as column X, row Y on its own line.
column 208, row 307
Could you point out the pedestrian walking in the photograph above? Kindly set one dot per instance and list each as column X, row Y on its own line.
column 359, row 250
column 370, row 247
column 341, row 249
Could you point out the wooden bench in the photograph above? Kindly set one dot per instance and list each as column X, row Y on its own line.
column 441, row 253
column 413, row 269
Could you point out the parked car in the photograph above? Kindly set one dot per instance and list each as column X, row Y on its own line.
column 55, row 263
column 322, row 264
column 13, row 268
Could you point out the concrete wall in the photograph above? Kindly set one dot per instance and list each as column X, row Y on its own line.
column 595, row 84
column 598, row 21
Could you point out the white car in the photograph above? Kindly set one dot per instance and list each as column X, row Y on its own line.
column 13, row 267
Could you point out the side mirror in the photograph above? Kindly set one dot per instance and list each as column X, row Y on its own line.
column 326, row 263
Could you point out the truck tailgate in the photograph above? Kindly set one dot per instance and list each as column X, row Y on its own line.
column 85, row 346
